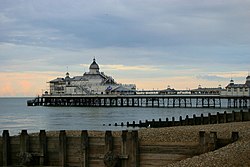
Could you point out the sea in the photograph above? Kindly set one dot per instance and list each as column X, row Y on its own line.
column 15, row 116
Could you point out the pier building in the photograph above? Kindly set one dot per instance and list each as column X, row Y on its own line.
column 233, row 89
column 207, row 91
column 92, row 82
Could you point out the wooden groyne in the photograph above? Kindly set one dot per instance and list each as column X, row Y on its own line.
column 109, row 150
column 195, row 120
column 168, row 101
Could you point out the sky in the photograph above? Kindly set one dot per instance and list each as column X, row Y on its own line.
column 151, row 43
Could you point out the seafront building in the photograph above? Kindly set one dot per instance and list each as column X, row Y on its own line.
column 92, row 82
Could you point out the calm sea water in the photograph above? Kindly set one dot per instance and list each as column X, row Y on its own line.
column 15, row 116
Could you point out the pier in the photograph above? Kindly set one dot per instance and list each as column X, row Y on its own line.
column 140, row 100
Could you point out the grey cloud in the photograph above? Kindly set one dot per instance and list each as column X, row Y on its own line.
column 194, row 33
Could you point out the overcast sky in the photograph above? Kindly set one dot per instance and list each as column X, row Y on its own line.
column 152, row 43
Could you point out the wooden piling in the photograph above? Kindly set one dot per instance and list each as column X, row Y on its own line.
column 194, row 119
column 62, row 148
column 212, row 143
column 24, row 142
column 84, row 149
column 235, row 136
column 202, row 141
column 180, row 120
column 108, row 141
column 124, row 149
column 218, row 118
column 202, row 119
column 43, row 147
column 186, row 120
column 225, row 117
column 6, row 148
column 233, row 116
column 134, row 154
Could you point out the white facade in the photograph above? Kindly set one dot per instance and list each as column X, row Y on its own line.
column 92, row 82
column 233, row 89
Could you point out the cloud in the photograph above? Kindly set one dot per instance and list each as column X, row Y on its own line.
column 130, row 23
column 130, row 39
column 224, row 76
column 126, row 68
column 25, row 84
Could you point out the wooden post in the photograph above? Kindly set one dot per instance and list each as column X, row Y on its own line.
column 225, row 117
column 130, row 149
column 218, row 117
column 202, row 119
column 209, row 118
column 124, row 150
column 194, row 120
column 235, row 136
column 212, row 145
column 84, row 148
column 173, row 121
column 186, row 120
column 180, row 120
column 134, row 155
column 24, row 142
column 108, row 141
column 25, row 157
column 241, row 115
column 233, row 116
column 62, row 148
column 203, row 142
column 43, row 147
column 153, row 123
column 6, row 148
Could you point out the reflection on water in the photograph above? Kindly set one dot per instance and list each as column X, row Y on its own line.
column 15, row 116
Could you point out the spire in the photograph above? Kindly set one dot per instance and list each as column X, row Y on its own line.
column 67, row 73
column 231, row 81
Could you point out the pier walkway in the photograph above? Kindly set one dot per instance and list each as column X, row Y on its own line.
column 168, row 101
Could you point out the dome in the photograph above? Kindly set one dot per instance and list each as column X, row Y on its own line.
column 94, row 65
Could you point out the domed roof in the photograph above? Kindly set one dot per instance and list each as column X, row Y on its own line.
column 94, row 65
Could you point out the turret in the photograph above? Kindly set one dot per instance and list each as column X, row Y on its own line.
column 231, row 82
column 94, row 68
column 248, row 80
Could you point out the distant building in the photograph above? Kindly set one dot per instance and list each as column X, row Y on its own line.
column 233, row 89
column 168, row 91
column 207, row 91
column 92, row 82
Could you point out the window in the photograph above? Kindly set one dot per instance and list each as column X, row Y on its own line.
column 246, row 89
column 241, row 89
column 229, row 89
column 235, row 89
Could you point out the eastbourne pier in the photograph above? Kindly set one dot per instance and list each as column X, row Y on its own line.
column 96, row 89
column 143, row 100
